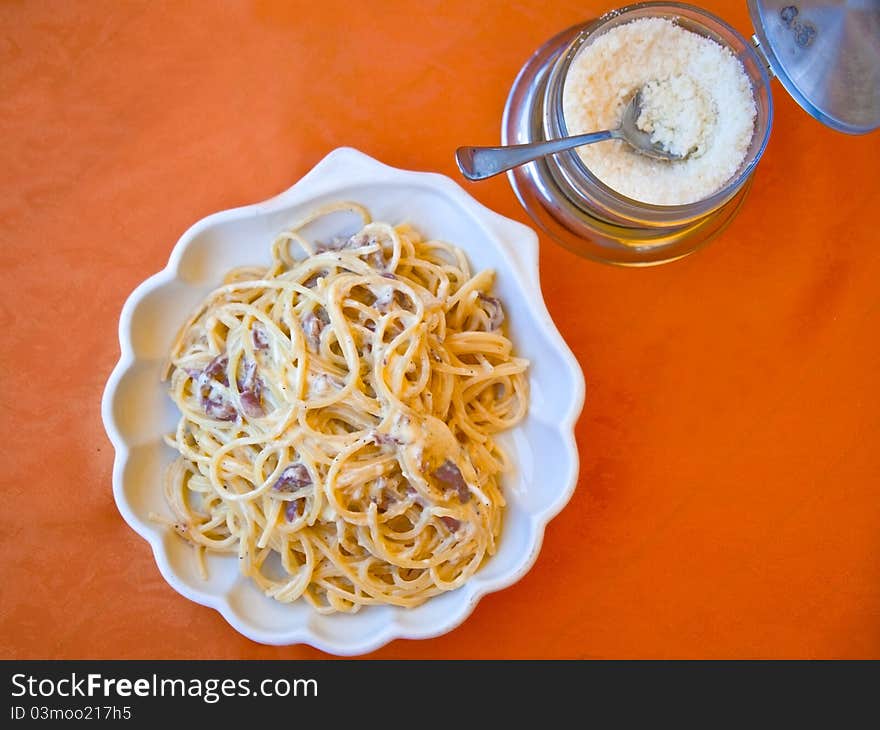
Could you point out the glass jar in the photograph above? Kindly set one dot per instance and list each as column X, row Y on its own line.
column 574, row 206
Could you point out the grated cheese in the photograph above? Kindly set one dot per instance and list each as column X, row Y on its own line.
column 678, row 115
column 696, row 96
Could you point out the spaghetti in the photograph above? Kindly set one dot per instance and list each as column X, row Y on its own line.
column 337, row 418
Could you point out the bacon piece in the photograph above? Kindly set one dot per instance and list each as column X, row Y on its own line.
column 216, row 369
column 260, row 336
column 296, row 476
column 336, row 244
column 448, row 473
column 252, row 405
column 386, row 495
column 312, row 326
column 450, row 522
column 386, row 439
column 251, row 389
column 249, row 378
column 219, row 408
column 376, row 259
column 215, row 403
column 493, row 309
column 359, row 240
column 295, row 509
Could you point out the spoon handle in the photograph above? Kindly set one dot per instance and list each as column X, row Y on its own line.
column 478, row 163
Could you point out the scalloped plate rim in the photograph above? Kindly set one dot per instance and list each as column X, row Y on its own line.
column 502, row 231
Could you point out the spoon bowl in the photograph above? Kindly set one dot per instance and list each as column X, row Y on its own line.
column 479, row 163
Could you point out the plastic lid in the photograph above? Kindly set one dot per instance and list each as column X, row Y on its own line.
column 826, row 53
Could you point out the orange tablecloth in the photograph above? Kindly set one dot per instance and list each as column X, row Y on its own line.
column 729, row 500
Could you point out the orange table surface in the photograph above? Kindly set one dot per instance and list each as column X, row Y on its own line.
column 729, row 497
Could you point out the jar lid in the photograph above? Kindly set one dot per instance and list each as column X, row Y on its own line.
column 826, row 55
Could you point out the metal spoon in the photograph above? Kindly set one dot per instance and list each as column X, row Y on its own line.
column 478, row 163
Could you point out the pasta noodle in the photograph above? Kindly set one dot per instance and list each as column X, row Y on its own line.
column 337, row 418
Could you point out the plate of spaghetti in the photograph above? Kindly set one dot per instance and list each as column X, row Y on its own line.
column 343, row 415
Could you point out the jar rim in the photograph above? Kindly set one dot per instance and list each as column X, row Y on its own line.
column 651, row 212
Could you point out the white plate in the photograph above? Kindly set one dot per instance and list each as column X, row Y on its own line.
column 137, row 411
